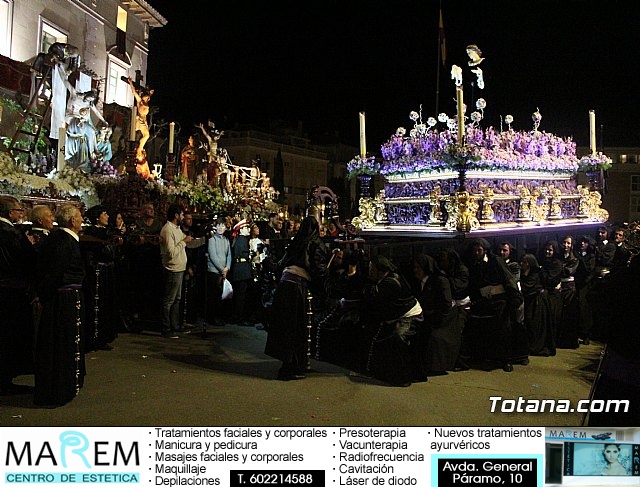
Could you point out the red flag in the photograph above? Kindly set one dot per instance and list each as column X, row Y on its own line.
column 443, row 42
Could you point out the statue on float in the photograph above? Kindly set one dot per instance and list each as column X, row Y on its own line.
column 142, row 96
column 81, row 144
column 214, row 167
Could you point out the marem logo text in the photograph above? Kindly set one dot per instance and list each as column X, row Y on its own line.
column 73, row 448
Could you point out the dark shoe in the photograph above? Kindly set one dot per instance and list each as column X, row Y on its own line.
column 433, row 373
column 9, row 388
column 188, row 326
column 421, row 378
column 245, row 323
column 507, row 368
column 170, row 335
column 584, row 341
column 461, row 365
column 290, row 376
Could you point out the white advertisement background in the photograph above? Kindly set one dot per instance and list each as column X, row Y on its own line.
column 320, row 453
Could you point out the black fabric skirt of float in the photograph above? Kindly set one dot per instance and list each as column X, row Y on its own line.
column 59, row 359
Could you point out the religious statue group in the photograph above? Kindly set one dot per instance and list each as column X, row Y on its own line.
column 203, row 161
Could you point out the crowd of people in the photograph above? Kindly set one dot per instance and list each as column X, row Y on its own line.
column 67, row 293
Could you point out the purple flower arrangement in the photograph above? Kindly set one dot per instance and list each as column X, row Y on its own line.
column 595, row 162
column 485, row 149
column 103, row 168
column 362, row 165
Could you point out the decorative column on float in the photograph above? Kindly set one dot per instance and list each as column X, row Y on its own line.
column 464, row 218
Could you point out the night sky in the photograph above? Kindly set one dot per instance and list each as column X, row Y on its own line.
column 322, row 61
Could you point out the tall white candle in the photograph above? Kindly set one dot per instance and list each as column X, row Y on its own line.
column 363, row 140
column 592, row 131
column 62, row 140
column 132, row 128
column 172, row 128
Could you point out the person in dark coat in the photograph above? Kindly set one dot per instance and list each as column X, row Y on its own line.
column 537, row 314
column 17, row 259
column 304, row 271
column 440, row 337
column 493, row 333
column 60, row 366
column 622, row 254
column 605, row 249
column 567, row 331
column 551, row 268
column 618, row 376
column 391, row 315
column 42, row 219
column 98, row 244
column 241, row 275
column 452, row 267
column 584, row 279
column 338, row 334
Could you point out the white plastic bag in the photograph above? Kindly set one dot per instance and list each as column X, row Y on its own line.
column 227, row 289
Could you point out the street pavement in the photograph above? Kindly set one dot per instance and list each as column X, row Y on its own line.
column 224, row 378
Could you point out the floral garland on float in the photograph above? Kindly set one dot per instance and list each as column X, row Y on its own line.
column 451, row 173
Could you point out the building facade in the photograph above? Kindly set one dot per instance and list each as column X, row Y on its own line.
column 293, row 163
column 112, row 36
column 621, row 195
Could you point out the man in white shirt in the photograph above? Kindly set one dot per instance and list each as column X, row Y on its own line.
column 173, row 243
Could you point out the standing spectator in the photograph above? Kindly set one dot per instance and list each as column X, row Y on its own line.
column 258, row 252
column 273, row 228
column 119, row 225
column 60, row 366
column 605, row 250
column 145, row 265
column 584, row 284
column 551, row 268
column 241, row 273
column 537, row 317
column 188, row 303
column 622, row 254
column 16, row 263
column 304, row 270
column 567, row 331
column 218, row 266
column 42, row 219
column 147, row 224
column 99, row 251
column 332, row 230
column 173, row 243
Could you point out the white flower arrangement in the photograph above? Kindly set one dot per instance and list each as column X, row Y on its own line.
column 68, row 182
